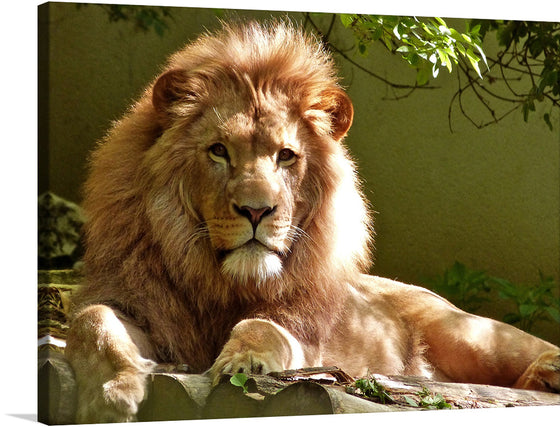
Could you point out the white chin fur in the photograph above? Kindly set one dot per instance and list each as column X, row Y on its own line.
column 252, row 262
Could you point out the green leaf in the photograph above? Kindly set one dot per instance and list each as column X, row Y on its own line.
column 411, row 402
column 527, row 309
column 441, row 403
column 347, row 19
column 396, row 32
column 474, row 64
column 482, row 55
column 506, row 287
column 475, row 30
column 444, row 58
column 426, row 28
column 548, row 78
column 451, row 52
column 362, row 48
column 440, row 21
column 372, row 389
column 431, row 401
column 413, row 59
column 240, row 380
column 455, row 34
column 377, row 33
column 422, row 76
column 554, row 313
column 472, row 56
column 536, row 47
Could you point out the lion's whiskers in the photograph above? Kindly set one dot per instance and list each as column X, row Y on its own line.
column 200, row 231
column 297, row 234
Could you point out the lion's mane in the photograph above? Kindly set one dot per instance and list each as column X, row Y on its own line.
column 147, row 253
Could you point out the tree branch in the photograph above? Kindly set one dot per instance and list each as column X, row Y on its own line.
column 368, row 71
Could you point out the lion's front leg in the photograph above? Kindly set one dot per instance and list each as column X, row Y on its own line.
column 105, row 353
column 543, row 374
column 258, row 346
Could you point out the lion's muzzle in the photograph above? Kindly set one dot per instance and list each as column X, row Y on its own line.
column 254, row 215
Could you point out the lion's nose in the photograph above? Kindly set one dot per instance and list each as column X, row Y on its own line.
column 254, row 215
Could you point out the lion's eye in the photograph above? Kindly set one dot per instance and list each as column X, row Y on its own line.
column 218, row 152
column 286, row 157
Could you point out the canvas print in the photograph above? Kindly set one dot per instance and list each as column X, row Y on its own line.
column 264, row 213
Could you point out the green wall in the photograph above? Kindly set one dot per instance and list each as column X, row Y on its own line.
column 488, row 198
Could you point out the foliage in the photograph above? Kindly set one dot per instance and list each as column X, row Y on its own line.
column 427, row 44
column 469, row 289
column 373, row 390
column 432, row 401
column 144, row 18
column 524, row 71
column 532, row 49
column 465, row 288
column 59, row 232
column 240, row 380
column 532, row 303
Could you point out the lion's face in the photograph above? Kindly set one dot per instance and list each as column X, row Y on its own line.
column 252, row 164
column 243, row 161
column 251, row 147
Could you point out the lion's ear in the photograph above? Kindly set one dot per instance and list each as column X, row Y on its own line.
column 337, row 105
column 341, row 111
column 170, row 89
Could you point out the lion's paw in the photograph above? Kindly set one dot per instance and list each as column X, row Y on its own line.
column 115, row 401
column 257, row 346
column 543, row 374
column 250, row 362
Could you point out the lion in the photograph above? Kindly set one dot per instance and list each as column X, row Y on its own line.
column 227, row 230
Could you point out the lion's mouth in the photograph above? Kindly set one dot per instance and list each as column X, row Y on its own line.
column 252, row 260
column 253, row 246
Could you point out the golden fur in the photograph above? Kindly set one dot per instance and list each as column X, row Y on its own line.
column 226, row 230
